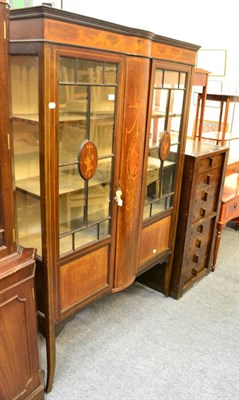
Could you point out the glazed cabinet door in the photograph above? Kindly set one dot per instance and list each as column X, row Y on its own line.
column 67, row 139
column 88, row 138
column 87, row 91
column 163, row 158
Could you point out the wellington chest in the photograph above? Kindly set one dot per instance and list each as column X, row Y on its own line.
column 203, row 177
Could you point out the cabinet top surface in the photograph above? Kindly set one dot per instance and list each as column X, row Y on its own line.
column 197, row 149
column 16, row 261
column 46, row 13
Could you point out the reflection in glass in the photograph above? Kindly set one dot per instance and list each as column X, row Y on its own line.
column 171, row 79
column 158, row 78
column 86, row 236
column 25, row 129
column 89, row 71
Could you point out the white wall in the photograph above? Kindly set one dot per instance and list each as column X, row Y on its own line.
column 211, row 24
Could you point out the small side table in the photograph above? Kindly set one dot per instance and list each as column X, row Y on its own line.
column 229, row 208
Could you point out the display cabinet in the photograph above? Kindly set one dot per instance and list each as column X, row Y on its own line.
column 90, row 193
column 203, row 178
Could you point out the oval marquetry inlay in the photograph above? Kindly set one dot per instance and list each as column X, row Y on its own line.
column 88, row 160
column 164, row 145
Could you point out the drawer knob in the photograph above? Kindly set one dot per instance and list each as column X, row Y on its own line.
column 211, row 161
column 200, row 228
column 208, row 179
column 195, row 258
column 204, row 196
column 202, row 212
column 235, row 205
column 194, row 272
column 198, row 243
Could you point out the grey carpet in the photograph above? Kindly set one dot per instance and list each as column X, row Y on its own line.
column 140, row 345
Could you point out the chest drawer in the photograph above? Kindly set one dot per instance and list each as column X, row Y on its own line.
column 201, row 229
column 210, row 162
column 209, row 178
column 205, row 203
column 231, row 208
column 199, row 240
column 193, row 269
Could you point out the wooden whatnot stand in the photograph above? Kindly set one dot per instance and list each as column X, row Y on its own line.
column 221, row 136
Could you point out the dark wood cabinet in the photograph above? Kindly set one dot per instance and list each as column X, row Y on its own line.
column 99, row 116
column 203, row 177
column 19, row 358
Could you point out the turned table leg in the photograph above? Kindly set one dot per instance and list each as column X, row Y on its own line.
column 217, row 243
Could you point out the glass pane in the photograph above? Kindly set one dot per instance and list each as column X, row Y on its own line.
column 158, row 78
column 25, row 129
column 29, row 220
column 171, row 79
column 104, row 229
column 160, row 102
column 71, row 211
column 102, row 100
column 73, row 101
column 99, row 192
column 153, row 176
column 101, row 133
column 90, row 72
column 71, row 136
column 66, row 244
column 173, row 126
column 110, row 73
column 72, row 199
column 98, row 201
column 67, row 70
column 103, row 172
column 182, row 83
column 147, row 211
column 158, row 206
column 102, row 118
column 86, row 236
column 168, row 177
column 156, row 128
column 176, row 102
